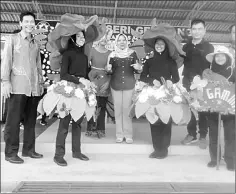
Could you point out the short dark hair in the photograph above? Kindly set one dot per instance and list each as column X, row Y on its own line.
column 231, row 27
column 198, row 21
column 25, row 14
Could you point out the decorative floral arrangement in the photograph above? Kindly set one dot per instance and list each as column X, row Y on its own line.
column 66, row 98
column 161, row 101
column 213, row 93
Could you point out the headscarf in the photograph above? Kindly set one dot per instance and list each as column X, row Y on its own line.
column 222, row 69
column 119, row 52
column 226, row 69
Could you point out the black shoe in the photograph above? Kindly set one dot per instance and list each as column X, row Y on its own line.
column 154, row 154
column 230, row 167
column 32, row 155
column 80, row 156
column 212, row 164
column 60, row 161
column 43, row 123
column 163, row 154
column 14, row 159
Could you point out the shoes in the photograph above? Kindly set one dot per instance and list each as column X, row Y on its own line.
column 189, row 140
column 119, row 139
column 14, row 159
column 102, row 133
column 163, row 154
column 60, row 161
column 43, row 123
column 32, row 155
column 230, row 167
column 211, row 164
column 88, row 133
column 80, row 156
column 154, row 154
column 202, row 143
column 129, row 140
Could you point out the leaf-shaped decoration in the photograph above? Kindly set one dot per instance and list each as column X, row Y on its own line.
column 141, row 108
column 163, row 111
column 52, row 113
column 136, row 34
column 40, row 107
column 195, row 113
column 132, row 110
column 186, row 115
column 50, row 100
column 78, row 108
column 89, row 111
column 176, row 112
column 151, row 115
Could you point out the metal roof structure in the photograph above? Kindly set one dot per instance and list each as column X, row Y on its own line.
column 218, row 15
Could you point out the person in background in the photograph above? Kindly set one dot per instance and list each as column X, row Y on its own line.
column 23, row 85
column 194, row 64
column 160, row 65
column 122, row 64
column 98, row 59
column 222, row 63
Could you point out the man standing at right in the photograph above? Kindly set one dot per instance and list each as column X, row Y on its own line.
column 194, row 64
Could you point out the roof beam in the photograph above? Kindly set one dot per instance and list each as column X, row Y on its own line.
column 193, row 12
column 114, row 17
column 118, row 8
column 37, row 8
column 144, row 19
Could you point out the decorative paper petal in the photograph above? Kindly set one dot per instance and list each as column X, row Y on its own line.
column 176, row 112
column 195, row 113
column 186, row 115
column 163, row 111
column 40, row 107
column 89, row 111
column 50, row 101
column 132, row 111
column 78, row 108
column 151, row 115
column 141, row 108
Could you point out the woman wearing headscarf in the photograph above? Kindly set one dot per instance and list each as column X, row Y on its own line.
column 98, row 61
column 122, row 64
column 161, row 65
column 222, row 62
column 161, row 39
column 69, row 40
